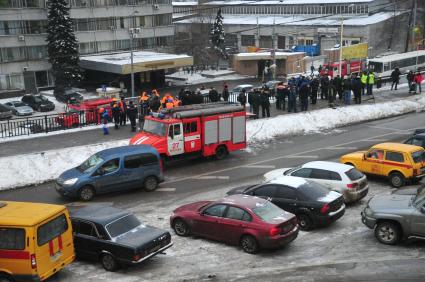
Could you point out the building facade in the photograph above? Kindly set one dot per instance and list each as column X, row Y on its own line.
column 274, row 24
column 100, row 26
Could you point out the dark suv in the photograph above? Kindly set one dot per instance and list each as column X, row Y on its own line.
column 38, row 102
column 312, row 203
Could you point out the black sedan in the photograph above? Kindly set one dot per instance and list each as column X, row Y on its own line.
column 312, row 203
column 115, row 237
column 38, row 102
column 417, row 139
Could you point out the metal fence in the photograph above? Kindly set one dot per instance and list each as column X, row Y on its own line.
column 47, row 123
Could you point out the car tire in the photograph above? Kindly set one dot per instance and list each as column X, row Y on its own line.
column 108, row 262
column 249, row 244
column 6, row 278
column 387, row 233
column 221, row 153
column 150, row 183
column 181, row 228
column 305, row 222
column 86, row 193
column 397, row 179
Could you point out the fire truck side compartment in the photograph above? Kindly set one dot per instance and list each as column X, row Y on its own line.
column 238, row 129
column 210, row 132
column 225, row 129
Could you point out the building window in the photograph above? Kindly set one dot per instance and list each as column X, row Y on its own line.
column 163, row 20
column 266, row 42
column 10, row 28
column 103, row 46
column 104, row 23
column 83, row 24
column 123, row 44
column 247, row 40
column 12, row 81
column 231, row 40
column 309, row 42
column 36, row 52
column 35, row 27
column 12, row 54
column 281, row 42
column 87, row 48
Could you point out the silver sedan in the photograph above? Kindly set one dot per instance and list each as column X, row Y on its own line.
column 20, row 109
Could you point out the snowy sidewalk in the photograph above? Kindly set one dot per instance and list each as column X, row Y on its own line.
column 26, row 169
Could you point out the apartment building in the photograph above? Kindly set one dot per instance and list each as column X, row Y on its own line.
column 101, row 26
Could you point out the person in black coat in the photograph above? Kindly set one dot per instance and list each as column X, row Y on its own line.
column 304, row 94
column 338, row 86
column 225, row 94
column 265, row 103
column 123, row 112
column 154, row 103
column 132, row 115
column 314, row 89
column 242, row 98
column 116, row 112
column 213, row 95
column 395, row 77
column 324, row 87
column 356, row 86
column 256, row 102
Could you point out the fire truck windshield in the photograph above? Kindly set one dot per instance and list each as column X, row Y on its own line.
column 154, row 127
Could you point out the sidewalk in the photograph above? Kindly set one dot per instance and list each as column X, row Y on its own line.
column 86, row 137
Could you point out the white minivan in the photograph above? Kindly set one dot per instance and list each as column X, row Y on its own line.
column 345, row 179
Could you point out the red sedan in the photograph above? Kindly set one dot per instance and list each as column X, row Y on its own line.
column 248, row 221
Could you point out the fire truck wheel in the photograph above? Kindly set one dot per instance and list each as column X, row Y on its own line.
column 221, row 152
column 150, row 184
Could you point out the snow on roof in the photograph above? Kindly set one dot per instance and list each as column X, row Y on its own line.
column 142, row 61
column 287, row 2
column 264, row 55
column 332, row 166
column 401, row 56
column 297, row 20
column 185, row 3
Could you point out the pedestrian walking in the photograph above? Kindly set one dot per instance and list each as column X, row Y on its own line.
column 370, row 82
column 225, row 94
column 410, row 81
column 123, row 111
column 265, row 103
column 292, row 98
column 251, row 101
column 324, row 86
column 116, row 114
column 363, row 80
column 132, row 115
column 105, row 119
column 242, row 98
column 395, row 78
column 304, row 94
column 332, row 91
column 320, row 69
column 346, row 85
column 356, row 86
column 312, row 69
column 418, row 80
column 338, row 86
column 314, row 89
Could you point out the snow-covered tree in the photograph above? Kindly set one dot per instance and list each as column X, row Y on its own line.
column 62, row 46
column 217, row 35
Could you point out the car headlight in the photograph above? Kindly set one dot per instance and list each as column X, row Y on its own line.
column 70, row 181
column 368, row 211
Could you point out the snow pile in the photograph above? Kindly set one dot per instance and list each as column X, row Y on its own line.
column 29, row 169
column 183, row 78
column 325, row 119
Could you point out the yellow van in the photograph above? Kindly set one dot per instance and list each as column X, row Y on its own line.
column 35, row 241
column 398, row 162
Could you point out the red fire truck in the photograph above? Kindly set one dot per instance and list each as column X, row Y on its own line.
column 332, row 69
column 212, row 129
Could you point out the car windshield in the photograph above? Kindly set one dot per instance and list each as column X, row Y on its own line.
column 236, row 89
column 313, row 191
column 418, row 156
column 154, row 127
column 354, row 174
column 122, row 225
column 18, row 104
column 289, row 171
column 268, row 211
column 90, row 164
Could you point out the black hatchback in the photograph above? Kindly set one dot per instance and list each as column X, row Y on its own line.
column 38, row 102
column 313, row 204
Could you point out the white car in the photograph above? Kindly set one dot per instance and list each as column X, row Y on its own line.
column 345, row 179
column 238, row 89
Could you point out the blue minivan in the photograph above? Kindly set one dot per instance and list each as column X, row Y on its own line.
column 111, row 170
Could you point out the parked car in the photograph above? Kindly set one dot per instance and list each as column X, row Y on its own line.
column 251, row 222
column 238, row 89
column 345, row 179
column 417, row 140
column 398, row 162
column 115, row 237
column 38, row 102
column 400, row 215
column 20, row 109
column 312, row 203
column 112, row 170
column 5, row 112
column 69, row 96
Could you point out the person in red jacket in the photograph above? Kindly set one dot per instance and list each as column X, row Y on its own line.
column 418, row 80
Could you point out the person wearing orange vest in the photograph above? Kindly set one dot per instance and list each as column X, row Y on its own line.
column 165, row 99
column 144, row 104
column 177, row 102
column 123, row 111
column 169, row 104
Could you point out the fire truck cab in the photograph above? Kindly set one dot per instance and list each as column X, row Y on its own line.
column 212, row 129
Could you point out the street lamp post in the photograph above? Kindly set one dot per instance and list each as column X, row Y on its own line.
column 341, row 40
column 132, row 33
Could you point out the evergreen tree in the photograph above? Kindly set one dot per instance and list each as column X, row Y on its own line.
column 217, row 35
column 62, row 46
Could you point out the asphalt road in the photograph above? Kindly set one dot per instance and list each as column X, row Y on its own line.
column 344, row 251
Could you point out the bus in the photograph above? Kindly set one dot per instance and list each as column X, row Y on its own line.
column 384, row 65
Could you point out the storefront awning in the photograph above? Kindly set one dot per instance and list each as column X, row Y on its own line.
column 120, row 63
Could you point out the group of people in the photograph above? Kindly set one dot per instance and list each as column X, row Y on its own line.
column 414, row 80
column 120, row 112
